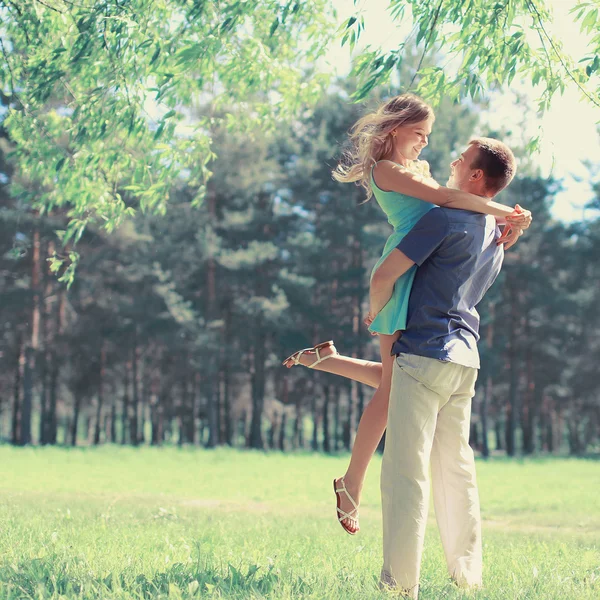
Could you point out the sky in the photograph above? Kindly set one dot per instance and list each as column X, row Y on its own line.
column 569, row 131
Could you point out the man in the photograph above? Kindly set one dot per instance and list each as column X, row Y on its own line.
column 459, row 257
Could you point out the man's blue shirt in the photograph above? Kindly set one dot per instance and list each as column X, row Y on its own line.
column 458, row 261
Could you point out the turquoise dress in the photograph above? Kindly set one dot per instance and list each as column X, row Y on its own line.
column 402, row 212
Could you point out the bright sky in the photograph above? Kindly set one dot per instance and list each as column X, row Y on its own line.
column 569, row 129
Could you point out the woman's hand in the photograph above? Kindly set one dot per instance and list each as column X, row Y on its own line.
column 520, row 218
column 368, row 320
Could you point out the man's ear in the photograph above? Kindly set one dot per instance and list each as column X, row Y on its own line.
column 476, row 175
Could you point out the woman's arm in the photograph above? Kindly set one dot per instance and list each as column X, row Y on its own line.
column 393, row 177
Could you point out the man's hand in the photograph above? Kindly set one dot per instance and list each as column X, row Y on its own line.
column 510, row 236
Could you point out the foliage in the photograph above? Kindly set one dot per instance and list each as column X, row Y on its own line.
column 99, row 95
column 485, row 47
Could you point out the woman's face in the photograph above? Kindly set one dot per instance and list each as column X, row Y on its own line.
column 411, row 139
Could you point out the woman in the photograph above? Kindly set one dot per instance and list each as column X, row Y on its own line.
column 387, row 144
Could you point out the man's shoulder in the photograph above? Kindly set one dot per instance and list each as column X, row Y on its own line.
column 460, row 216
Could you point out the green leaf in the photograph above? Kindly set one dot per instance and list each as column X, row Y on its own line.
column 155, row 55
column 159, row 131
column 274, row 27
column 590, row 20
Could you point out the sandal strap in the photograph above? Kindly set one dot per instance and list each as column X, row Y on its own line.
column 346, row 515
column 353, row 514
column 295, row 358
column 320, row 358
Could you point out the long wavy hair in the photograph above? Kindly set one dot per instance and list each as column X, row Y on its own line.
column 372, row 140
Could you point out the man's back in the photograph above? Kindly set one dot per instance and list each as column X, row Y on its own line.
column 458, row 261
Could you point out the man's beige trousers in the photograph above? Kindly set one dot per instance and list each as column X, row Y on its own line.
column 428, row 424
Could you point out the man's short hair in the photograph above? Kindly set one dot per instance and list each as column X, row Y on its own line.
column 497, row 162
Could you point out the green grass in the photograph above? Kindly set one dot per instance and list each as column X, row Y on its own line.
column 181, row 523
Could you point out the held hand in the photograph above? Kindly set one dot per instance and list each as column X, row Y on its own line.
column 520, row 218
column 510, row 236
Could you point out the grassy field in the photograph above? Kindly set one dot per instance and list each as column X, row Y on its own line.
column 181, row 523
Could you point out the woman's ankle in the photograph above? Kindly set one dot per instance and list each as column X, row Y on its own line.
column 354, row 485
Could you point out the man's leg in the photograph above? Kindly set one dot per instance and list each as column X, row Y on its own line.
column 413, row 409
column 455, row 494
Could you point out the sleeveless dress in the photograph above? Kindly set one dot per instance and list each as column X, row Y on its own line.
column 402, row 212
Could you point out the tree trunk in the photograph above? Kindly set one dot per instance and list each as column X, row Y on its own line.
column 59, row 326
column 211, row 312
column 315, row 418
column 258, row 390
column 196, row 408
column 550, row 427
column 227, row 405
column 53, row 397
column 574, row 436
column 528, row 410
column 100, row 398
column 113, row 419
column 512, row 409
column 49, row 335
column 143, row 389
column 26, row 408
column 486, row 398
column 75, row 420
column 181, row 412
column 125, row 409
column 133, row 411
column 16, row 409
column 498, row 432
column 474, row 436
column 155, row 391
column 337, row 438
column 282, row 429
column 299, row 395
column 347, row 432
column 44, row 399
column 190, row 407
column 271, row 432
column 31, row 349
column 326, row 403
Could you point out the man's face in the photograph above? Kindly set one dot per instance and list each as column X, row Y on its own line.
column 460, row 170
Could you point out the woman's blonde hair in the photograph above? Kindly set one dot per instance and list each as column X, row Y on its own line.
column 372, row 140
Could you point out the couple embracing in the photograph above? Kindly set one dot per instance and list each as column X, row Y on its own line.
column 446, row 250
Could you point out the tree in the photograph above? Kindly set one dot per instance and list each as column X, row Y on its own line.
column 493, row 46
column 98, row 94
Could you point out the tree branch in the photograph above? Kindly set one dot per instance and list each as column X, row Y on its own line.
column 60, row 12
column 431, row 29
column 537, row 15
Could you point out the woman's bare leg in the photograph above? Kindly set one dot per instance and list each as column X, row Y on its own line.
column 363, row 371
column 370, row 429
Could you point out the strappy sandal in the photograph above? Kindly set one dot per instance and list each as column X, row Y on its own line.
column 295, row 358
column 353, row 514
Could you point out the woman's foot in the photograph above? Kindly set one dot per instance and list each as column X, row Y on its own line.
column 347, row 498
column 310, row 357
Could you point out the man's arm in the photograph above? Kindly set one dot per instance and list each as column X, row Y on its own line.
column 382, row 283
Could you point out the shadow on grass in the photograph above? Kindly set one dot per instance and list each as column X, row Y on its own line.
column 52, row 576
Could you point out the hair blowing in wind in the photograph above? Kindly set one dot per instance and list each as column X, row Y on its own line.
column 371, row 137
